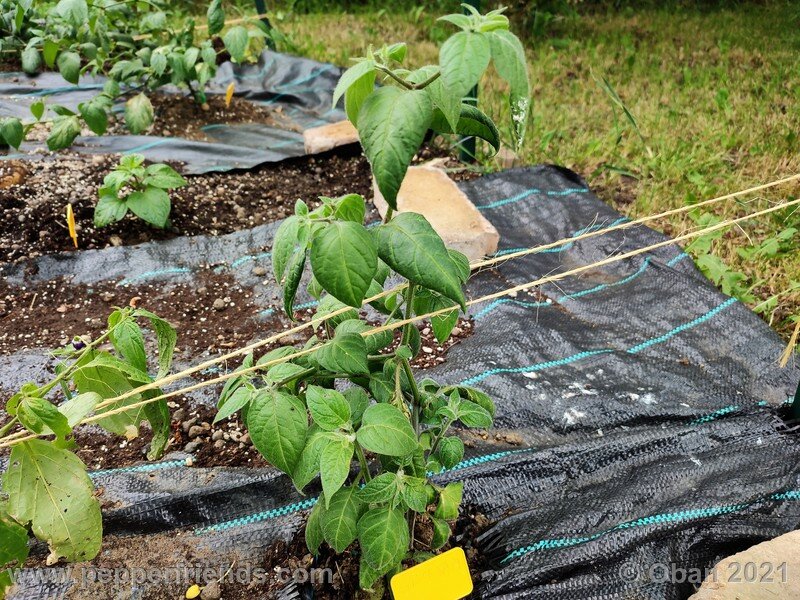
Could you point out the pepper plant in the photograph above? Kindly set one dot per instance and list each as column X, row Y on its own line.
column 132, row 44
column 139, row 189
column 45, row 488
column 352, row 396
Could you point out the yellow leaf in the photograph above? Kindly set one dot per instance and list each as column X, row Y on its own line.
column 229, row 94
column 193, row 592
column 71, row 225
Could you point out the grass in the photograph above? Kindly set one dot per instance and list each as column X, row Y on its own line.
column 713, row 97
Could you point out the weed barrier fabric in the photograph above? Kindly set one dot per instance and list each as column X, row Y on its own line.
column 300, row 88
column 648, row 407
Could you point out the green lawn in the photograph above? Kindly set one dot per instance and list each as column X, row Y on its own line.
column 714, row 96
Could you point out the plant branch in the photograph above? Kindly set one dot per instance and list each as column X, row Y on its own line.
column 362, row 460
column 407, row 84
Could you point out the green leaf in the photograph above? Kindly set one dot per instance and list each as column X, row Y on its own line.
column 410, row 246
column 328, row 408
column 49, row 53
column 471, row 122
column 511, row 64
column 63, row 132
column 474, row 415
column 358, row 400
column 383, row 535
column 236, row 41
column 381, row 387
column 460, row 21
column 109, row 208
column 450, row 451
column 31, row 61
column 327, row 305
column 352, row 75
column 74, row 12
column 367, row 576
column 392, row 125
column 340, row 519
column 126, row 337
column 463, row 59
column 49, row 489
column 157, row 414
column 69, row 65
column 382, row 489
column 334, row 464
column 95, row 115
column 166, row 336
column 37, row 109
column 278, row 424
column 294, row 273
column 449, row 501
column 356, row 94
column 308, row 466
column 215, row 17
column 386, row 430
column 462, row 264
column 35, row 413
column 290, row 237
column 374, row 342
column 441, row 533
column 415, row 495
column 151, row 205
column 78, row 407
column 479, row 398
column 138, row 113
column 11, row 131
column 344, row 259
column 240, row 398
column 163, row 176
column 314, row 534
column 350, row 208
column 344, row 354
column 13, row 545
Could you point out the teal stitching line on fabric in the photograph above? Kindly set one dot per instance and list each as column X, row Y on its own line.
column 147, row 146
column 154, row 274
column 579, row 294
column 658, row 519
column 701, row 319
column 531, row 192
column 588, row 353
column 168, row 464
column 66, row 88
column 674, row 261
column 250, row 257
column 565, row 245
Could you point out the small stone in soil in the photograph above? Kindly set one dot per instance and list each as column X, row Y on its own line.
column 219, row 304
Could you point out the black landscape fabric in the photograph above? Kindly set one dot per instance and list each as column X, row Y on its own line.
column 648, row 406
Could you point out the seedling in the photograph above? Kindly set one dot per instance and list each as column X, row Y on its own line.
column 139, row 189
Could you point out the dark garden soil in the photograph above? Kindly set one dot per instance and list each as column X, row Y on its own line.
column 34, row 195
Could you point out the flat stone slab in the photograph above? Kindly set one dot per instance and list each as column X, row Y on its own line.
column 767, row 571
column 430, row 192
column 328, row 137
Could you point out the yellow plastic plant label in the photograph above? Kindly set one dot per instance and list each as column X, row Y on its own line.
column 443, row 577
column 229, row 94
column 71, row 225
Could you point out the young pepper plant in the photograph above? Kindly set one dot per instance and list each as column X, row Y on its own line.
column 45, row 488
column 351, row 395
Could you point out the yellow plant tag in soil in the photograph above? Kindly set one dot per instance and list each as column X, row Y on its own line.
column 71, row 225
column 193, row 592
column 444, row 577
column 229, row 94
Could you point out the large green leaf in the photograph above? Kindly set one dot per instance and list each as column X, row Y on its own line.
column 449, row 501
column 35, row 413
column 63, row 132
column 290, row 238
column 278, row 424
column 151, row 205
column 49, row 489
column 294, row 273
column 344, row 259
column 74, row 12
column 69, row 65
column 509, row 60
column 13, row 547
column 166, row 337
column 236, row 41
column 95, row 115
column 383, row 535
column 374, row 342
column 109, row 208
column 31, row 60
column 386, row 430
column 11, row 131
column 345, row 353
column 351, row 76
column 127, row 338
column 356, row 94
column 334, row 464
column 340, row 520
column 314, row 534
column 138, row 113
column 215, row 17
column 392, row 125
column 307, row 466
column 328, row 408
column 471, row 122
column 463, row 59
column 410, row 246
column 382, row 489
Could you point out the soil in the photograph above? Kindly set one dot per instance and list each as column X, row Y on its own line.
column 179, row 559
column 180, row 115
column 32, row 205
